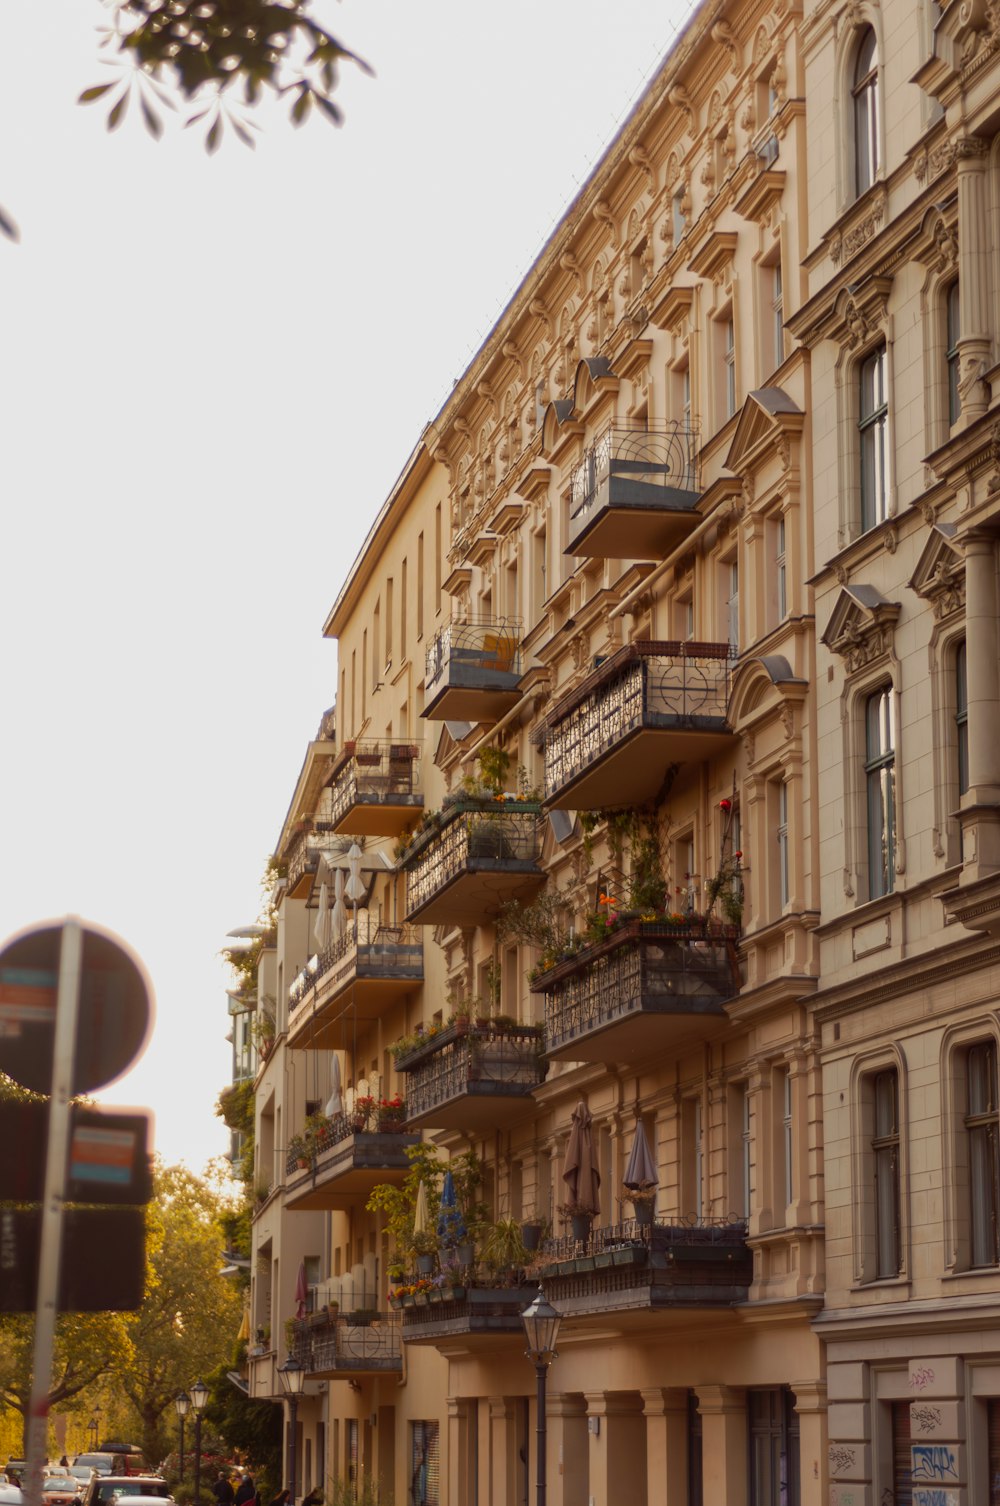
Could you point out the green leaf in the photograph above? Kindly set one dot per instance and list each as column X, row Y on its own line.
column 214, row 136
column 330, row 110
column 154, row 125
column 302, row 105
column 95, row 92
column 241, row 132
column 117, row 112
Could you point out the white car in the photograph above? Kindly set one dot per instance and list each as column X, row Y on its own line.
column 10, row 1495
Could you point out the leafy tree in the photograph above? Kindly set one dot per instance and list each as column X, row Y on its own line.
column 253, row 1429
column 190, row 1314
column 87, row 1346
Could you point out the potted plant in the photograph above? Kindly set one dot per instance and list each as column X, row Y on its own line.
column 503, row 1247
column 643, row 1200
column 299, row 1150
column 425, row 1247
column 533, row 1231
column 579, row 1218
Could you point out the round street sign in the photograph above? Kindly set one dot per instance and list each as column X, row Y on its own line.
column 113, row 1019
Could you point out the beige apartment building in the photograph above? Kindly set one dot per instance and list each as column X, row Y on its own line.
column 663, row 778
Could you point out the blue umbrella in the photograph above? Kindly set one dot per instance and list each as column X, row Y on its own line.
column 451, row 1228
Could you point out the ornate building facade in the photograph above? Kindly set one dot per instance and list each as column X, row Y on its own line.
column 664, row 781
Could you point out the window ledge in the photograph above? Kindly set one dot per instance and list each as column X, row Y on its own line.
column 974, row 1273
column 882, row 1284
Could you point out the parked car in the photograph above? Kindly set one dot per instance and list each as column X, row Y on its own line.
column 60, row 1489
column 10, row 1495
column 82, row 1474
column 105, row 1490
column 104, row 1463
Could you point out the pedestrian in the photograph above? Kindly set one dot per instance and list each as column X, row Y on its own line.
column 64, row 1462
column 282, row 1498
column 246, row 1490
column 223, row 1490
column 314, row 1498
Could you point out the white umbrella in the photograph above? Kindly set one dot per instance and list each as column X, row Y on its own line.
column 339, row 914
column 335, row 1102
column 420, row 1210
column 321, row 930
column 355, row 888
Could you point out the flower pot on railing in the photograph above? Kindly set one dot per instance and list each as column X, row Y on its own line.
column 464, row 1253
column 580, row 1224
column 425, row 1265
column 643, row 1214
column 531, row 1233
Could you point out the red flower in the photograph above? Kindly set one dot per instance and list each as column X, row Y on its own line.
column 725, row 805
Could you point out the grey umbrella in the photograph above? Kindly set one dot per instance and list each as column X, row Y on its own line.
column 640, row 1172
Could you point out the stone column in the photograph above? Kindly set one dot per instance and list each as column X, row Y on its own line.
column 972, row 153
column 810, row 1404
column 666, row 1413
column 724, row 1444
column 462, row 1451
column 567, row 1477
column 980, row 809
column 502, row 1462
column 617, row 1448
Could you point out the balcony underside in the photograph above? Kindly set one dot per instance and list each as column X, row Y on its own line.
column 345, row 1174
column 642, row 1278
column 632, row 769
column 477, row 891
column 467, row 695
column 477, row 1107
column 378, row 815
column 301, row 886
column 652, row 1027
column 634, row 525
column 328, row 1022
column 481, row 1319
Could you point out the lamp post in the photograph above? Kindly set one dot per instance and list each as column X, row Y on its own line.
column 199, row 1396
column 181, row 1402
column 293, row 1380
column 541, row 1327
column 92, row 1427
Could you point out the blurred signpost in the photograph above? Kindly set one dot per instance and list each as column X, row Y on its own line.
column 74, row 1014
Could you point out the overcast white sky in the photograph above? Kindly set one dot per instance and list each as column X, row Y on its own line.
column 211, row 371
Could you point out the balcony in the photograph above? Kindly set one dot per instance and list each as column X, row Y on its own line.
column 611, row 740
column 302, row 854
column 635, row 494
column 349, row 1346
column 631, row 1268
column 374, row 788
column 478, row 1315
column 472, row 1079
column 647, row 986
column 357, row 977
column 472, row 671
column 348, row 1156
column 471, row 859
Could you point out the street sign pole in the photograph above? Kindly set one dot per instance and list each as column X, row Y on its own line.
column 64, row 1048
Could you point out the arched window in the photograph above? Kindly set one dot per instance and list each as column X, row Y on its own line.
column 866, row 112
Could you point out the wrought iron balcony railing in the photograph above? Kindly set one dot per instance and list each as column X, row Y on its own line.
column 372, row 778
column 466, row 1311
column 472, row 670
column 501, row 837
column 350, row 1344
column 643, row 986
column 687, row 1263
column 649, row 475
column 303, row 851
column 671, row 687
column 471, row 1076
column 366, row 950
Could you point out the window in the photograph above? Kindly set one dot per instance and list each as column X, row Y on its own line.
column 729, row 364
column 961, row 718
column 679, row 222
column 786, row 1131
column 694, row 1440
column 773, row 337
column 880, row 783
column 981, row 1126
column 866, row 112
column 873, row 431
column 784, row 882
column 885, row 1159
column 732, row 573
column 902, row 1479
column 951, row 353
column 774, row 1448
column 780, row 569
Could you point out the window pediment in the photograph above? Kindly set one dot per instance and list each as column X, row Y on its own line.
column 940, row 574
column 769, row 417
column 861, row 627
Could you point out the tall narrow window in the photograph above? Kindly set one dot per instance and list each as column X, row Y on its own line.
column 437, row 558
column 729, row 358
column 880, row 781
column 786, row 1131
column 402, row 609
column 781, row 569
column 774, row 1448
column 679, row 222
column 777, row 314
column 885, row 1154
column 982, row 1123
column 962, row 718
column 866, row 113
column 784, row 884
column 745, row 1148
column 873, row 431
column 420, row 585
column 733, row 604
column 951, row 353
column 388, row 621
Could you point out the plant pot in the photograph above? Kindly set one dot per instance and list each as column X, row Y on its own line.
column 580, row 1224
column 531, row 1233
column 421, row 1299
column 643, row 1214
column 464, row 1254
column 425, row 1265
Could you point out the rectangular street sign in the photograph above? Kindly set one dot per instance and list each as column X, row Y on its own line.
column 103, row 1266
column 108, row 1160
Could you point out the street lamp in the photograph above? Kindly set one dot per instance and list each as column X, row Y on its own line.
column 541, row 1327
column 92, row 1427
column 181, row 1401
column 293, row 1380
column 199, row 1396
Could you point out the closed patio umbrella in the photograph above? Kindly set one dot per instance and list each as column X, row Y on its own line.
column 339, row 913
column 335, row 1102
column 301, row 1291
column 582, row 1178
column 321, row 930
column 451, row 1228
column 641, row 1169
column 420, row 1210
column 355, row 888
